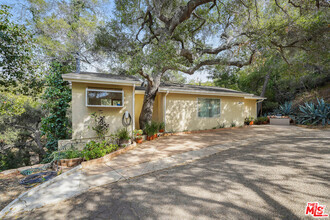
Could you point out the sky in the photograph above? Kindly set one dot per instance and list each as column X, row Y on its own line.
column 20, row 15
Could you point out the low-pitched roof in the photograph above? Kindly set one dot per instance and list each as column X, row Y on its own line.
column 105, row 78
column 100, row 77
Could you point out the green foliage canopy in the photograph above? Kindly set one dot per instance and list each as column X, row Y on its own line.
column 16, row 52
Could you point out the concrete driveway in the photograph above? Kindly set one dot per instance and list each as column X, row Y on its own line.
column 271, row 179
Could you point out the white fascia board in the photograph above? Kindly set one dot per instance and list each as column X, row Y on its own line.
column 103, row 81
column 246, row 95
column 139, row 91
column 262, row 98
column 206, row 93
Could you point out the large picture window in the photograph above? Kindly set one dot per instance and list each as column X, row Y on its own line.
column 208, row 108
column 104, row 98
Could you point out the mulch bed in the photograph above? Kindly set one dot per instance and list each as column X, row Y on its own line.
column 10, row 188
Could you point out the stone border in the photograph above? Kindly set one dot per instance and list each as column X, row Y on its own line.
column 108, row 157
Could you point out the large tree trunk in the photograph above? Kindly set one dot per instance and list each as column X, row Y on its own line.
column 78, row 62
column 148, row 102
column 263, row 92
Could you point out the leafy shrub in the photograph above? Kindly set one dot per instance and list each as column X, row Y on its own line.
column 95, row 150
column 100, row 126
column 233, row 124
column 148, row 129
column 56, row 125
column 123, row 134
column 314, row 114
column 152, row 128
column 247, row 120
column 10, row 160
column 257, row 121
column 263, row 119
column 73, row 153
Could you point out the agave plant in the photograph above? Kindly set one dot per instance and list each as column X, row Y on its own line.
column 286, row 109
column 315, row 114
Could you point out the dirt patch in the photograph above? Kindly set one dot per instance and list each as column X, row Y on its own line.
column 10, row 188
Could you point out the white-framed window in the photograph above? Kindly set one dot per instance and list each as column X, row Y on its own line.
column 208, row 108
column 104, row 98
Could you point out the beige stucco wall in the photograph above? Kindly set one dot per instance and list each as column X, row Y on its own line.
column 157, row 110
column 181, row 112
column 81, row 114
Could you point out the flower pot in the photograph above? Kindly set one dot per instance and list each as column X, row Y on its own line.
column 150, row 138
column 139, row 141
column 251, row 123
column 155, row 136
column 69, row 162
column 264, row 122
column 161, row 130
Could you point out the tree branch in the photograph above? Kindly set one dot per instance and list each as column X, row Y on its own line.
column 201, row 25
column 221, row 48
column 219, row 61
column 184, row 13
column 146, row 76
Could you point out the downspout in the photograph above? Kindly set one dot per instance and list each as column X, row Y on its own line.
column 133, row 112
column 164, row 106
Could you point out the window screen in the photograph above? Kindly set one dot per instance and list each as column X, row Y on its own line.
column 104, row 98
column 208, row 108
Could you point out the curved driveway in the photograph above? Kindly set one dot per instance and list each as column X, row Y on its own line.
column 273, row 178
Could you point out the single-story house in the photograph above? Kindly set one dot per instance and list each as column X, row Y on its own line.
column 180, row 107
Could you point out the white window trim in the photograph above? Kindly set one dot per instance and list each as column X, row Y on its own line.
column 208, row 117
column 105, row 90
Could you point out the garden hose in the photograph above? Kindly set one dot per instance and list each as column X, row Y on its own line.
column 34, row 179
column 126, row 121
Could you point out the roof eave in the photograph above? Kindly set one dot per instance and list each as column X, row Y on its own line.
column 163, row 90
column 256, row 97
column 101, row 81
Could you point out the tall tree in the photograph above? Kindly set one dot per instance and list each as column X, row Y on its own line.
column 154, row 37
column 16, row 52
column 65, row 29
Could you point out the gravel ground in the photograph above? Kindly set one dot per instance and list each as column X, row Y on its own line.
column 273, row 179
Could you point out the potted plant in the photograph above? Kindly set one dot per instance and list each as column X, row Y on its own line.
column 138, row 139
column 138, row 136
column 154, row 128
column 161, row 127
column 123, row 136
column 148, row 130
